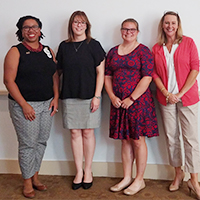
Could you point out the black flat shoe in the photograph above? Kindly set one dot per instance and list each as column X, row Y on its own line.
column 87, row 185
column 76, row 186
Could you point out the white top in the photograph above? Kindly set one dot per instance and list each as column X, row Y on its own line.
column 169, row 56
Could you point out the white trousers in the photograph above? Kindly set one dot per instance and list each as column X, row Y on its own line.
column 182, row 122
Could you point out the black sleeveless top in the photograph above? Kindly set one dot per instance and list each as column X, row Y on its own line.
column 35, row 74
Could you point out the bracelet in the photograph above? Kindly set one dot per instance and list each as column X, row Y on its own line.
column 98, row 97
column 162, row 89
column 131, row 98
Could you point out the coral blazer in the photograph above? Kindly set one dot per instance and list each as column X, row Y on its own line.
column 185, row 59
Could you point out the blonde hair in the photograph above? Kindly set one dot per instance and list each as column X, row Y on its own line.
column 161, row 34
column 83, row 16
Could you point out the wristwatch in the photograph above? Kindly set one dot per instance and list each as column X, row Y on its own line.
column 131, row 98
column 98, row 97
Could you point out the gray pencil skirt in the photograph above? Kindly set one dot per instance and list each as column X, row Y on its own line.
column 77, row 114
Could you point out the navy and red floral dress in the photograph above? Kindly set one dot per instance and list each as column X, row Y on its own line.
column 126, row 71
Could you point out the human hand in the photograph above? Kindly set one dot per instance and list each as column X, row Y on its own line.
column 54, row 107
column 95, row 104
column 173, row 99
column 28, row 111
column 126, row 103
column 116, row 102
column 179, row 95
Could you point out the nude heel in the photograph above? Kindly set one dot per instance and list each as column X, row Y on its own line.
column 173, row 187
column 192, row 189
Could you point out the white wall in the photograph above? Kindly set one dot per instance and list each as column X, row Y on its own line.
column 105, row 17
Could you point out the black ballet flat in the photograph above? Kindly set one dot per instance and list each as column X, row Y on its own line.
column 76, row 186
column 87, row 185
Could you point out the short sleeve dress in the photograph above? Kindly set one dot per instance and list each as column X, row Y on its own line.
column 126, row 71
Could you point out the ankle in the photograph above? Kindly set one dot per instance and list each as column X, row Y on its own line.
column 195, row 184
column 137, row 182
column 127, row 178
column 88, row 177
column 28, row 187
column 78, row 178
column 139, row 179
column 180, row 172
column 179, row 175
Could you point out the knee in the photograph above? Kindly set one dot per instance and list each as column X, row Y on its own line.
column 88, row 133
column 75, row 134
column 126, row 143
column 139, row 143
column 26, row 144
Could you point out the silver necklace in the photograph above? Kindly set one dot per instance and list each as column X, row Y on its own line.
column 76, row 49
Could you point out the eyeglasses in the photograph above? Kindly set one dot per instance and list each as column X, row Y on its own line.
column 27, row 28
column 132, row 30
column 77, row 23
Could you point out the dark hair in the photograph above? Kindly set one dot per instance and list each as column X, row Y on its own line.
column 161, row 34
column 132, row 21
column 20, row 25
column 83, row 16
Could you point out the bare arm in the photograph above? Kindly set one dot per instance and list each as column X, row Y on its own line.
column 99, row 85
column 141, row 87
column 159, row 84
column 109, row 89
column 170, row 98
column 174, row 98
column 189, row 83
column 54, row 102
column 10, row 71
column 139, row 90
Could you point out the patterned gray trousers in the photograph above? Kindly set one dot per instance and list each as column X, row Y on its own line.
column 32, row 135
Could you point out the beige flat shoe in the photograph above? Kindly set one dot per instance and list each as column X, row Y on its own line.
column 116, row 187
column 132, row 192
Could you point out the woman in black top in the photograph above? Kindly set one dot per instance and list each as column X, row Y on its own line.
column 32, row 81
column 81, row 60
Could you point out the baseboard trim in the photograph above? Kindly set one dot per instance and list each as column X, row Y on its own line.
column 102, row 169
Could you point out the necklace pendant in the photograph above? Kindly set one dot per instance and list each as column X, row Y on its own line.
column 76, row 49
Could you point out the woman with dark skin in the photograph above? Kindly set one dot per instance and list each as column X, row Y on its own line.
column 32, row 82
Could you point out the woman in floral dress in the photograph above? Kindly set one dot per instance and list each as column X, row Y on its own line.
column 128, row 73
